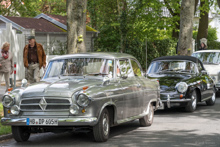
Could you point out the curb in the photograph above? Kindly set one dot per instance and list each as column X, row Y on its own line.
column 4, row 137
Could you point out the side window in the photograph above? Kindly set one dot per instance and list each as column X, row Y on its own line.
column 136, row 68
column 123, row 68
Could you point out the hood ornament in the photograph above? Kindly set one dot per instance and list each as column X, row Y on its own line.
column 43, row 104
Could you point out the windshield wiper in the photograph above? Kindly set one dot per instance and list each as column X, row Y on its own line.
column 74, row 74
column 96, row 74
column 165, row 70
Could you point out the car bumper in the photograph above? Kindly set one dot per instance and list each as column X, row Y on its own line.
column 169, row 102
column 91, row 121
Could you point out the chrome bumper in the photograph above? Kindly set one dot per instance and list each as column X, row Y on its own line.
column 168, row 101
column 91, row 121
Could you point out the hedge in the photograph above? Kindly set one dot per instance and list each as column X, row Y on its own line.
column 213, row 45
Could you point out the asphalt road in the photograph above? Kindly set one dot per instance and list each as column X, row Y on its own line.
column 172, row 127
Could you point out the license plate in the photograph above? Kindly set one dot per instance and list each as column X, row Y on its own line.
column 161, row 107
column 42, row 121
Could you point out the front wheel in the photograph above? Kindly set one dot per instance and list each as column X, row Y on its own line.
column 191, row 106
column 102, row 129
column 211, row 101
column 20, row 134
column 147, row 120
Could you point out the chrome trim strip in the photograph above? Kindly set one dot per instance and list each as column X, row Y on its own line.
column 90, row 121
column 177, row 100
column 40, row 110
column 37, row 104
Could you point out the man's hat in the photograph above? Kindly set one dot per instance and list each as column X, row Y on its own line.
column 31, row 37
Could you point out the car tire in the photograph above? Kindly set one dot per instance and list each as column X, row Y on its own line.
column 102, row 129
column 211, row 101
column 191, row 106
column 20, row 134
column 147, row 120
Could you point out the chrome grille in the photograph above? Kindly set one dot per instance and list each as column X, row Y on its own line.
column 52, row 104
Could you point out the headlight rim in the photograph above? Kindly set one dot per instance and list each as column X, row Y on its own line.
column 76, row 110
column 3, row 102
column 17, row 110
column 77, row 98
column 185, row 84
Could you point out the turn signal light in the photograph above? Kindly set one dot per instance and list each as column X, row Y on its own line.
column 181, row 96
column 83, row 110
column 10, row 89
column 9, row 111
column 86, row 87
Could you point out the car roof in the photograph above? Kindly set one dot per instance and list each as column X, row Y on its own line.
column 211, row 50
column 190, row 58
column 109, row 55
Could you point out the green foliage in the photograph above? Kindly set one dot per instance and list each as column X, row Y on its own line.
column 213, row 45
column 3, row 129
column 31, row 8
column 212, row 34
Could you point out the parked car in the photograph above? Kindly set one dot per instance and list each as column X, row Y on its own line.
column 89, row 91
column 183, row 81
column 211, row 62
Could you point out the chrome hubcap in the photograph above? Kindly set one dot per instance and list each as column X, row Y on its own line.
column 213, row 97
column 105, row 125
column 194, row 101
column 150, row 115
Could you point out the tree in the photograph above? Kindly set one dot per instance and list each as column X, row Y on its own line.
column 186, row 27
column 76, row 25
column 204, row 20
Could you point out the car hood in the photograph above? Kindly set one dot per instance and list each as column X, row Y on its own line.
column 62, row 88
column 212, row 69
column 169, row 81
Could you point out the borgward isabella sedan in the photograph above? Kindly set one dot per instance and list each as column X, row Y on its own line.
column 92, row 90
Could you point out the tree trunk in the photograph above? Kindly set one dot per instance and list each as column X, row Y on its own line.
column 203, row 24
column 76, row 25
column 218, row 1
column 186, row 27
column 123, row 25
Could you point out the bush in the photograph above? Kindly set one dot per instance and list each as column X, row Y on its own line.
column 212, row 34
column 213, row 45
column 156, row 48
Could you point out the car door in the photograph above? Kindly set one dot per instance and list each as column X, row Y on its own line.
column 206, row 83
column 141, row 91
column 126, row 79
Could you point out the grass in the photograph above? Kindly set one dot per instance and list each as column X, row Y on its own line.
column 3, row 129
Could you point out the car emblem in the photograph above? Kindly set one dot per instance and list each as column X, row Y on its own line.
column 43, row 104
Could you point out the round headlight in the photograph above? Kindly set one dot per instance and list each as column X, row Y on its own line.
column 182, row 87
column 7, row 101
column 82, row 100
column 74, row 109
column 15, row 110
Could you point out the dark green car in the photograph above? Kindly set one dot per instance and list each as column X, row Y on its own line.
column 183, row 82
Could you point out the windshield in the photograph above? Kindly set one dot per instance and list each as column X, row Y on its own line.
column 80, row 67
column 159, row 67
column 208, row 57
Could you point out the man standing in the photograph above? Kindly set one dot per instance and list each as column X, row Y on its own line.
column 34, row 58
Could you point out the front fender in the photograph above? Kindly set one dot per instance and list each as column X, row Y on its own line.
column 111, row 104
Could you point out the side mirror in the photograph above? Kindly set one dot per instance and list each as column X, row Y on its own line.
column 204, row 72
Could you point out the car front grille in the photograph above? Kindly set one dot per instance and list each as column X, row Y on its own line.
column 45, row 104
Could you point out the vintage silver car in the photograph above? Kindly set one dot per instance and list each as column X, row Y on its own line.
column 92, row 91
